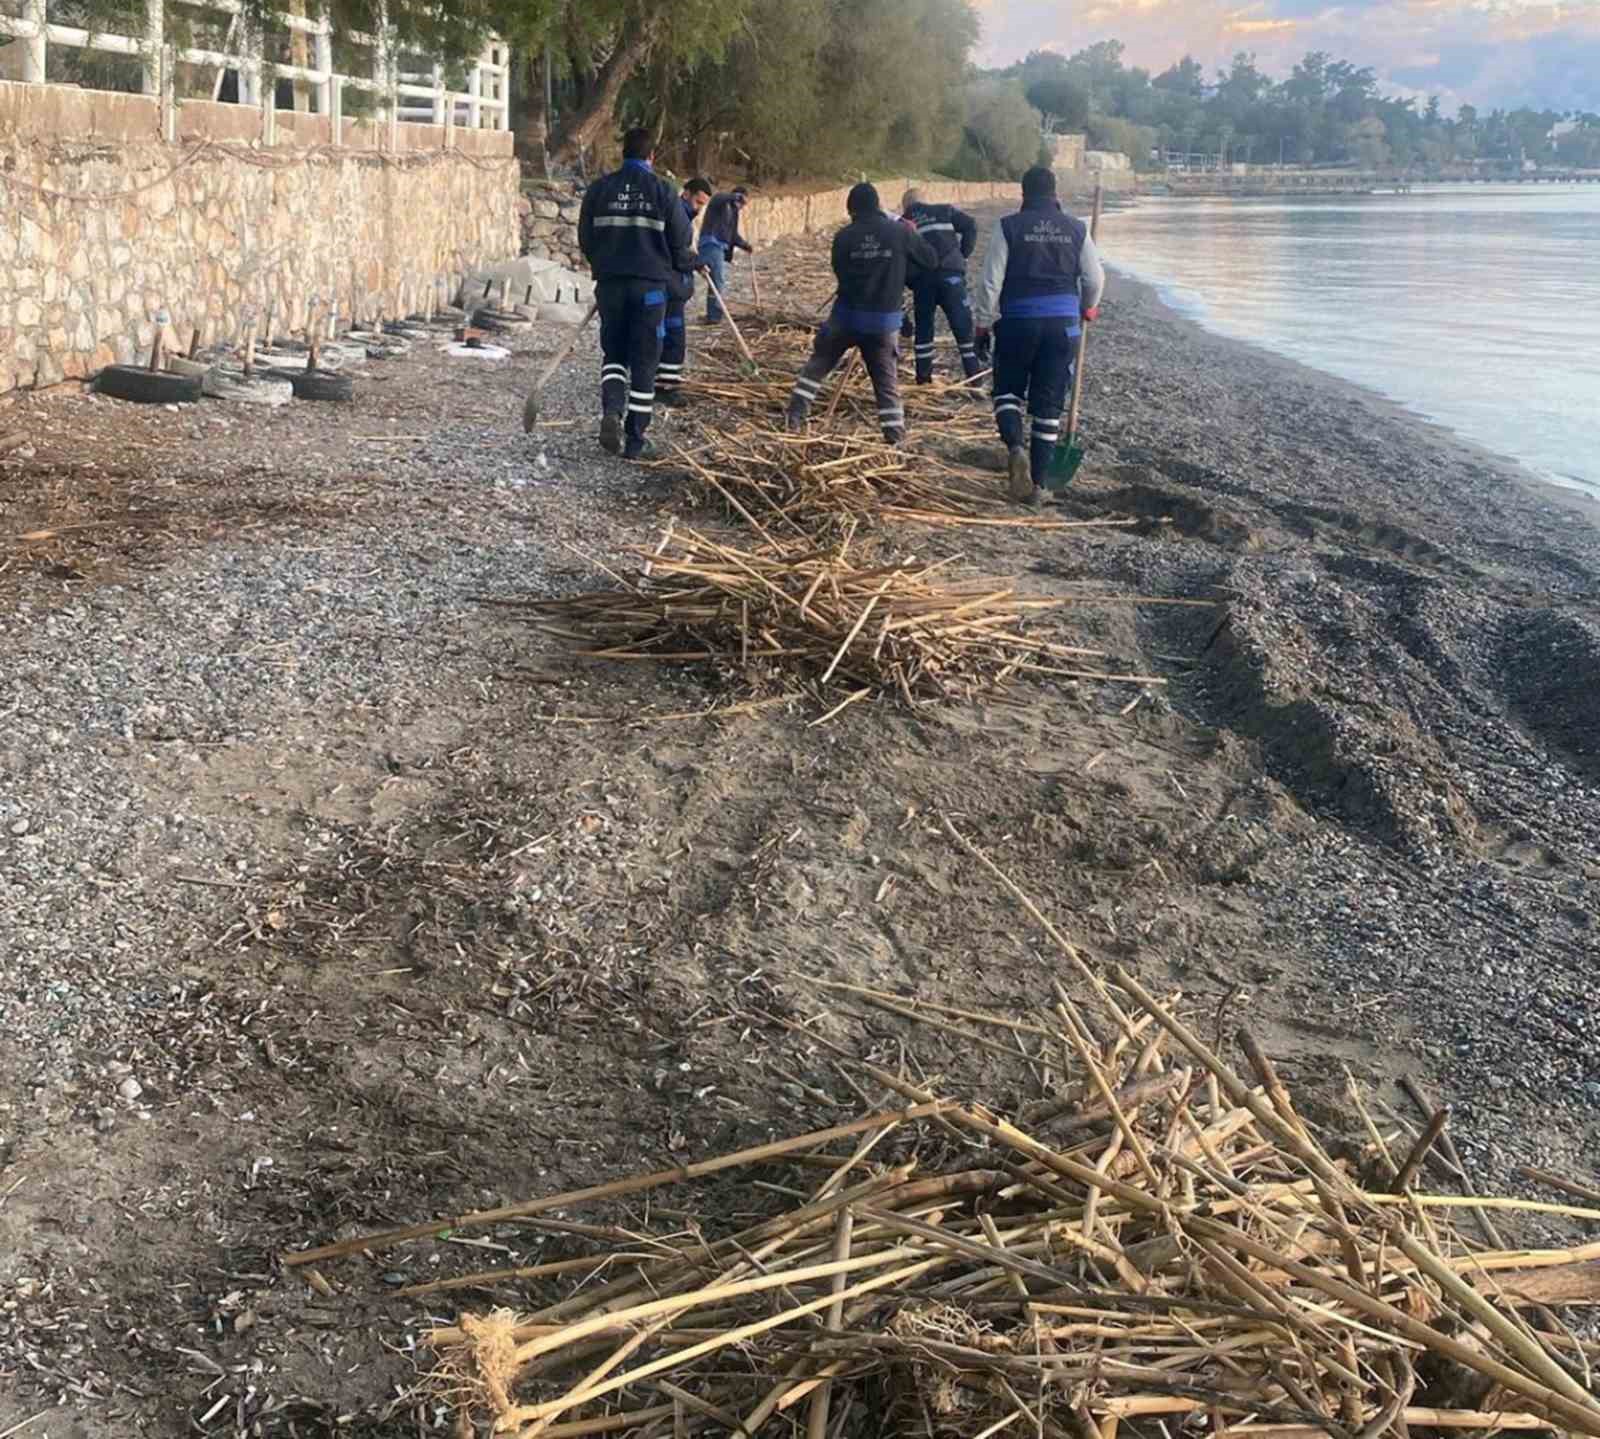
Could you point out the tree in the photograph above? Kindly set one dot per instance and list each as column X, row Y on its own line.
column 1054, row 91
column 1186, row 78
column 1241, row 86
column 1308, row 84
column 760, row 101
column 1000, row 134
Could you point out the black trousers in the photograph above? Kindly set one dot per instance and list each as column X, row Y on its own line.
column 1033, row 367
column 881, row 354
column 633, row 315
column 674, row 346
column 929, row 296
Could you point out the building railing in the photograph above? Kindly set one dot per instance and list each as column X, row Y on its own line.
column 407, row 95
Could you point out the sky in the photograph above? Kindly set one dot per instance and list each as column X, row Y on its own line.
column 1488, row 53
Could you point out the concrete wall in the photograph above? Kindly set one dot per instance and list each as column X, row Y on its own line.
column 102, row 224
column 1067, row 151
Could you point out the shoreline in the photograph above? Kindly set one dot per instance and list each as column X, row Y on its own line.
column 1574, row 498
column 1413, row 653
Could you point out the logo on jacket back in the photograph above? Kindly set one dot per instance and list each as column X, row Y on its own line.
column 869, row 249
column 1046, row 232
column 631, row 200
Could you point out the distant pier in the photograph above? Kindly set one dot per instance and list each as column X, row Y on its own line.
column 1273, row 182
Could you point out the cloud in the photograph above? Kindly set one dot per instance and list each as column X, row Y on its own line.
column 1260, row 27
column 1489, row 52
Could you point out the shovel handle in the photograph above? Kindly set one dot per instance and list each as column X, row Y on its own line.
column 1083, row 337
column 733, row 324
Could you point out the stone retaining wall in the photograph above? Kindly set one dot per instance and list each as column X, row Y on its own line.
column 550, row 210
column 102, row 225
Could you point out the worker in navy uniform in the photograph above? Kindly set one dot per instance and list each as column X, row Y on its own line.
column 637, row 240
column 675, row 345
column 870, row 256
column 1041, row 279
column 719, row 238
column 953, row 235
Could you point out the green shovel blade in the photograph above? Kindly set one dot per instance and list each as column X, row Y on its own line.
column 1064, row 462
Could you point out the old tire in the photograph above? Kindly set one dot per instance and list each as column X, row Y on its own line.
column 182, row 365
column 148, row 387
column 318, row 384
column 260, row 388
column 286, row 358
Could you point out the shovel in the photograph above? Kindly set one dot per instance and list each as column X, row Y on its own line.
column 1068, row 455
column 733, row 324
column 530, row 406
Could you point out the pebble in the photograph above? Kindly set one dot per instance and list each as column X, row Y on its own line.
column 126, row 692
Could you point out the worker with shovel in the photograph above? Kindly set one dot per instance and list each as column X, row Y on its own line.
column 637, row 240
column 675, row 343
column 953, row 234
column 1041, row 279
column 870, row 256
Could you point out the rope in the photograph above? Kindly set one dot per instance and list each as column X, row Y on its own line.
column 419, row 160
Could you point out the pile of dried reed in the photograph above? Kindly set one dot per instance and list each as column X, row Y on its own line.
column 1157, row 1244
column 810, row 482
column 722, row 381
column 838, row 612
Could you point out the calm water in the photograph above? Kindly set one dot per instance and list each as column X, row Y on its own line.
column 1477, row 307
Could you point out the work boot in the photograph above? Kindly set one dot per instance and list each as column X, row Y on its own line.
column 670, row 398
column 641, row 451
column 1019, row 476
column 894, row 438
column 794, row 423
column 611, row 433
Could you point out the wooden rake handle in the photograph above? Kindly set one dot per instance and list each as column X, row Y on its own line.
column 733, row 324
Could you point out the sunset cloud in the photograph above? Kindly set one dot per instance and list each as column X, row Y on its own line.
column 1486, row 52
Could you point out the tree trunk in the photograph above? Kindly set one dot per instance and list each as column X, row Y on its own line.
column 533, row 124
column 300, row 54
column 588, row 120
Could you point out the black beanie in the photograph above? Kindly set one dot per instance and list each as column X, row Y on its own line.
column 1038, row 183
column 862, row 200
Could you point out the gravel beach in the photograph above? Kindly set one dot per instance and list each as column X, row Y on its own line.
column 331, row 896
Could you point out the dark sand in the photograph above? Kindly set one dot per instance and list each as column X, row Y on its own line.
column 390, row 910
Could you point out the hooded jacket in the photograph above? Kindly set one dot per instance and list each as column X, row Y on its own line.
column 870, row 256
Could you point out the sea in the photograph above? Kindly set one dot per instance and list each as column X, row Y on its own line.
column 1475, row 306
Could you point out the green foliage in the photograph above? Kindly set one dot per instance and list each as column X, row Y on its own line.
column 1112, row 132
column 1580, row 148
column 1053, row 89
column 1325, row 112
column 1000, row 137
column 800, row 89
